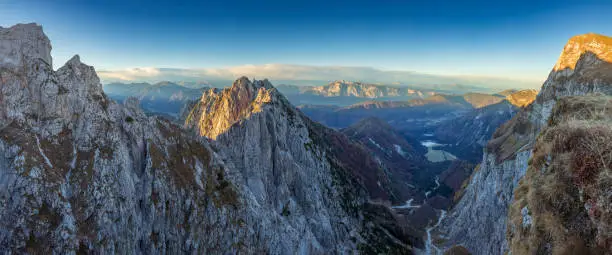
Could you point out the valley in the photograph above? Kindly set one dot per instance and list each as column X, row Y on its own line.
column 252, row 166
column 412, row 137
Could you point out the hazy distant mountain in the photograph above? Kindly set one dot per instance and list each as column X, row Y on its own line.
column 194, row 84
column 358, row 89
column 400, row 113
column 344, row 93
column 314, row 75
column 163, row 97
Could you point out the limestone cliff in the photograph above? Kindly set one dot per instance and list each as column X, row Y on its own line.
column 562, row 205
column 80, row 173
column 316, row 180
column 478, row 221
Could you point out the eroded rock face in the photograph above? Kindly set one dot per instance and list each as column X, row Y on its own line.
column 314, row 179
column 79, row 172
column 479, row 221
column 563, row 203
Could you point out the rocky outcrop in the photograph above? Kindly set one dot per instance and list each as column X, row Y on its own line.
column 562, row 204
column 316, row 181
column 80, row 173
column 478, row 221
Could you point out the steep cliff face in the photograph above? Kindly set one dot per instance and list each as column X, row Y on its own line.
column 315, row 179
column 563, row 204
column 79, row 172
column 478, row 221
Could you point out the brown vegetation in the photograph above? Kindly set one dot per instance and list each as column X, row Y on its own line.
column 562, row 205
column 457, row 250
column 512, row 136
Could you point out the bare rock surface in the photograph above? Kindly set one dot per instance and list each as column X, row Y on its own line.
column 81, row 173
column 479, row 221
column 315, row 179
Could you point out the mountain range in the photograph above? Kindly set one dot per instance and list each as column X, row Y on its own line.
column 241, row 170
column 165, row 98
column 82, row 173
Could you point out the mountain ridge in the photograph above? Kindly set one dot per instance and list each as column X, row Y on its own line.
column 296, row 165
column 484, row 207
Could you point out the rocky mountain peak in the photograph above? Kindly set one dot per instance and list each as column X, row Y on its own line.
column 584, row 68
column 23, row 42
column 307, row 174
column 66, row 151
column 599, row 45
column 36, row 95
column 218, row 110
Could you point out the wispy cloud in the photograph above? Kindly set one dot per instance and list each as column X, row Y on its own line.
column 287, row 72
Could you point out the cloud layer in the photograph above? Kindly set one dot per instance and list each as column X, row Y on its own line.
column 286, row 72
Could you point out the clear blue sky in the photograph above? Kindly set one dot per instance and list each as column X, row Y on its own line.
column 516, row 39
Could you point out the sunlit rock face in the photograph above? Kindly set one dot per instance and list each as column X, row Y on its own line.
column 315, row 179
column 80, row 173
column 522, row 98
column 562, row 205
column 479, row 221
column 599, row 45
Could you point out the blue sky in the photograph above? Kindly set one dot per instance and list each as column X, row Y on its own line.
column 514, row 39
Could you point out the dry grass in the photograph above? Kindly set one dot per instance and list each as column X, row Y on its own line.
column 513, row 135
column 457, row 250
column 567, row 185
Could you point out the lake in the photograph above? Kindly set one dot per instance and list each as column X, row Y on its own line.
column 434, row 153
